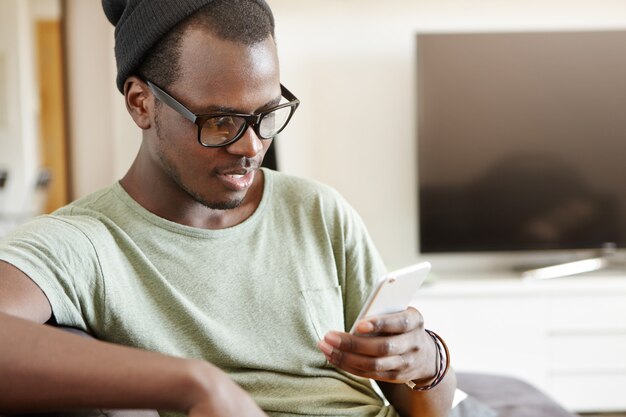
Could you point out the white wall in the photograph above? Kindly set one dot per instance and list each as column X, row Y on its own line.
column 102, row 141
column 45, row 9
column 353, row 65
column 20, row 107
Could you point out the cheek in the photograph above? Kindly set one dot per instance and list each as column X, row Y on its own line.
column 176, row 147
column 266, row 147
column 175, row 138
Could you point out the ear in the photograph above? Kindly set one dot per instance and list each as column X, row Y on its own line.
column 139, row 101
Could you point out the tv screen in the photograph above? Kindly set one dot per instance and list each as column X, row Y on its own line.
column 522, row 141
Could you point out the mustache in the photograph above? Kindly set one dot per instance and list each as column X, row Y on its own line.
column 248, row 164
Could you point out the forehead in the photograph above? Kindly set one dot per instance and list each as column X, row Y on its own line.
column 217, row 71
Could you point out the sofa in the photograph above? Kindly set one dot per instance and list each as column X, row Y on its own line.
column 503, row 396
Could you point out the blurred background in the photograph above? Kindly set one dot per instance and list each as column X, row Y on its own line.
column 63, row 124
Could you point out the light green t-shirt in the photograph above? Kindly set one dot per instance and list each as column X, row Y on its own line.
column 253, row 299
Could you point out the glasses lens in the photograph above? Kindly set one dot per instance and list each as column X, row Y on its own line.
column 272, row 123
column 221, row 129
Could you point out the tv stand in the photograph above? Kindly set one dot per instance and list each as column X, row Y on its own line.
column 607, row 257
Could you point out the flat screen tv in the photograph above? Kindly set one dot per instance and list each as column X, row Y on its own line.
column 521, row 141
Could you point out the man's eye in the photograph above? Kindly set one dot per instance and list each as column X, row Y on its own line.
column 221, row 121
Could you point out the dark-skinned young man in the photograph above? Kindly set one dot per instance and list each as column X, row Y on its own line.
column 213, row 287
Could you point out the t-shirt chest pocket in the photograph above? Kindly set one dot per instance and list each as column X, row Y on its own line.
column 325, row 309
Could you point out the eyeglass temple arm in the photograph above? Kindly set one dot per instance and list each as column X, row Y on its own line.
column 288, row 94
column 172, row 102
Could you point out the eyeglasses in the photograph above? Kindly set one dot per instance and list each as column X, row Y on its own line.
column 221, row 129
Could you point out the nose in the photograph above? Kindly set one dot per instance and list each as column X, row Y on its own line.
column 249, row 145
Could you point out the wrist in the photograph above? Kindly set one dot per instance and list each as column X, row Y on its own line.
column 442, row 363
column 200, row 383
column 210, row 391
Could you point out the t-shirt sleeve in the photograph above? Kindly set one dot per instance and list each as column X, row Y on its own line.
column 62, row 261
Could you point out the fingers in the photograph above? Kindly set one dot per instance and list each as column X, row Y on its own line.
column 397, row 368
column 391, row 364
column 392, row 348
column 403, row 322
column 376, row 346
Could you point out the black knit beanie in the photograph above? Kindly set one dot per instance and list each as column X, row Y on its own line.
column 140, row 24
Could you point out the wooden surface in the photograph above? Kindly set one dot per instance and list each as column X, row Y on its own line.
column 53, row 137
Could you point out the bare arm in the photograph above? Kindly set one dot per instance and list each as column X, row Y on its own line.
column 49, row 369
column 434, row 403
column 21, row 297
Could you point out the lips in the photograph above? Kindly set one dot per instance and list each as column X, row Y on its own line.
column 237, row 180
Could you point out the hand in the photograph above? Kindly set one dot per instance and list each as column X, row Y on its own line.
column 219, row 396
column 390, row 348
column 235, row 405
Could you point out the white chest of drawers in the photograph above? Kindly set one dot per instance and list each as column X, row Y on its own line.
column 567, row 335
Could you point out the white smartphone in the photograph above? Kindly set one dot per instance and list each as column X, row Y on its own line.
column 394, row 292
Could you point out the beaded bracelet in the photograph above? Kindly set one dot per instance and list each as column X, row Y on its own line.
column 442, row 354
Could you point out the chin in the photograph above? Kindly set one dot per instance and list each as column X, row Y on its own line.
column 213, row 204
column 223, row 202
column 222, row 205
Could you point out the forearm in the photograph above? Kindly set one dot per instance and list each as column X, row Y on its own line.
column 44, row 368
column 433, row 403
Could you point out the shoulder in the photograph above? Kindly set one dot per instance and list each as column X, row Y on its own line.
column 311, row 200
column 300, row 191
column 49, row 246
column 94, row 202
column 93, row 211
column 72, row 224
column 70, row 237
column 52, row 234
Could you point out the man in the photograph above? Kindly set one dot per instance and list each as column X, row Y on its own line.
column 229, row 286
